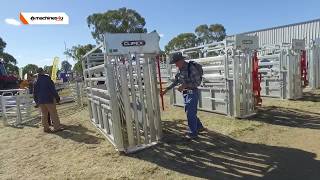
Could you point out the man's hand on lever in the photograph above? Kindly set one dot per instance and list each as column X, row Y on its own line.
column 182, row 87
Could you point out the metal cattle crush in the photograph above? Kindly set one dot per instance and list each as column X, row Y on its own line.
column 313, row 58
column 230, row 83
column 283, row 69
column 122, row 90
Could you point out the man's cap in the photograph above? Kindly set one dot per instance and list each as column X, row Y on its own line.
column 176, row 57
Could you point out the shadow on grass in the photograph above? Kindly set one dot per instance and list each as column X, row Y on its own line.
column 310, row 96
column 71, row 109
column 215, row 156
column 33, row 122
column 287, row 117
column 79, row 134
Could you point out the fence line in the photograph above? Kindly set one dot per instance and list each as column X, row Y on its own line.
column 16, row 106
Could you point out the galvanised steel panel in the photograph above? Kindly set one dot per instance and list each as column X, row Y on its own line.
column 308, row 30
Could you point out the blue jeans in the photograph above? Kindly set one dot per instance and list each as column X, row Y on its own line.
column 190, row 107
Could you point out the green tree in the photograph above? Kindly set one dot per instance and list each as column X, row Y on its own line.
column 208, row 34
column 29, row 69
column 66, row 66
column 48, row 69
column 8, row 58
column 218, row 32
column 182, row 41
column 2, row 45
column 78, row 68
column 76, row 52
column 10, row 61
column 203, row 34
column 12, row 69
column 122, row 20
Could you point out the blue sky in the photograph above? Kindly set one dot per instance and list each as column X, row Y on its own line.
column 38, row 44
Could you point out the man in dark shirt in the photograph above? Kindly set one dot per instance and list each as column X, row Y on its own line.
column 189, row 78
column 46, row 96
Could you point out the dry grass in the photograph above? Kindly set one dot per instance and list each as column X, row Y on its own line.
column 282, row 142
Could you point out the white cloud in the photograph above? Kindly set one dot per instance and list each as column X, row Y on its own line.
column 12, row 21
column 161, row 35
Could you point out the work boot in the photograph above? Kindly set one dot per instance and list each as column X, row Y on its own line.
column 202, row 130
column 190, row 136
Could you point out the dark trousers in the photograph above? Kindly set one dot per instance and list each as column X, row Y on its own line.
column 191, row 99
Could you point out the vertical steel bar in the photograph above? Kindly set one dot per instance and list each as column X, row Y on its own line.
column 243, row 82
column 126, row 102
column 88, row 84
column 19, row 118
column 116, row 123
column 134, row 101
column 226, row 82
column 160, row 81
column 78, row 93
column 141, row 92
column 105, row 121
column 155, row 93
column 236, row 98
column 3, row 106
column 100, row 115
column 150, row 113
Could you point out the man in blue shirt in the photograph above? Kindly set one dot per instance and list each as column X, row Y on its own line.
column 46, row 97
column 189, row 78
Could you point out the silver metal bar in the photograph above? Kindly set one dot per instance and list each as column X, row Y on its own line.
column 99, row 67
column 156, row 103
column 126, row 102
column 94, row 49
column 134, row 102
column 97, row 79
column 144, row 119
column 118, row 137
column 150, row 112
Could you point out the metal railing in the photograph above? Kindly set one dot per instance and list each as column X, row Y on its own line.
column 313, row 59
column 123, row 98
column 280, row 71
column 16, row 106
column 227, row 80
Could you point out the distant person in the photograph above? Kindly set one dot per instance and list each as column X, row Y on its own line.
column 46, row 97
column 30, row 80
column 189, row 78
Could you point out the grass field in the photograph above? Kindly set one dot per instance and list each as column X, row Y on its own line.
column 281, row 142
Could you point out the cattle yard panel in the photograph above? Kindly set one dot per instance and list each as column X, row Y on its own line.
column 227, row 86
column 16, row 106
column 281, row 70
column 122, row 90
column 313, row 59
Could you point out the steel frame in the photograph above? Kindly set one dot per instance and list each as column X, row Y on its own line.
column 227, row 86
column 124, row 97
column 281, row 72
column 313, row 59
column 15, row 106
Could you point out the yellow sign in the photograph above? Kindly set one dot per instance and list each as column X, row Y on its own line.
column 54, row 69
